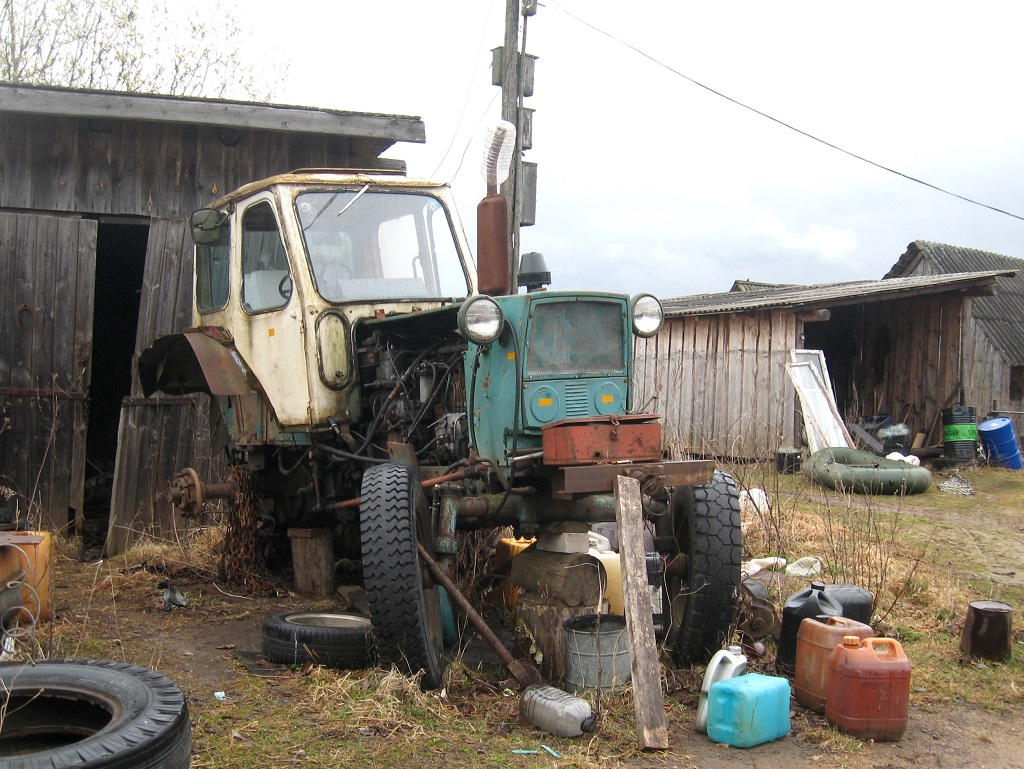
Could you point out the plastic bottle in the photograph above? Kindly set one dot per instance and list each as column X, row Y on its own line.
column 869, row 688
column 727, row 663
column 814, row 643
column 857, row 603
column 556, row 711
column 748, row 710
column 811, row 602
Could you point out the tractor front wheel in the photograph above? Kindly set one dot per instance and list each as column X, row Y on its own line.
column 404, row 602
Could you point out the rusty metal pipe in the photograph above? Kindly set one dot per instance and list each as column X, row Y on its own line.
column 524, row 673
column 428, row 483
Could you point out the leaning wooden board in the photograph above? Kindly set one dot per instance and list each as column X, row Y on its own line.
column 651, row 724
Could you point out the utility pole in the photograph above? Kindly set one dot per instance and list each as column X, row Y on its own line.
column 514, row 73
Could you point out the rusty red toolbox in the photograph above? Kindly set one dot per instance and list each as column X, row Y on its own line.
column 584, row 441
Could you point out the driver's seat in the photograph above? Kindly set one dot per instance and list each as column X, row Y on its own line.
column 261, row 290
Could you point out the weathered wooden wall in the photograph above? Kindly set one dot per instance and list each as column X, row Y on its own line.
column 720, row 380
column 905, row 360
column 158, row 437
column 47, row 267
column 987, row 379
column 90, row 167
column 720, row 383
column 147, row 169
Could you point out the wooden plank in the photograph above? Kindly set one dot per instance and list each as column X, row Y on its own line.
column 649, row 701
column 689, row 385
column 8, row 266
column 84, row 281
column 49, row 444
column 18, row 133
column 23, row 409
column 94, row 192
column 122, row 499
column 144, row 107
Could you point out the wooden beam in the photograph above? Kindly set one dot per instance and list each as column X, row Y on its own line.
column 649, row 702
column 108, row 105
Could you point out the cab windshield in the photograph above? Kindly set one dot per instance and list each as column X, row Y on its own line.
column 365, row 244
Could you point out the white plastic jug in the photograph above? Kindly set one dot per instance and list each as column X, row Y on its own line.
column 727, row 663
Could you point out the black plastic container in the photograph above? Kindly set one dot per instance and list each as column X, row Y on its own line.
column 810, row 602
column 857, row 603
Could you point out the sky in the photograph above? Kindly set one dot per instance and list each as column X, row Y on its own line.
column 649, row 182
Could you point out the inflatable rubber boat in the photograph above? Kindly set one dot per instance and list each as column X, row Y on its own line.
column 862, row 472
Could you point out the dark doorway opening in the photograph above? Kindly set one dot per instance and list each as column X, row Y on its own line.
column 120, row 262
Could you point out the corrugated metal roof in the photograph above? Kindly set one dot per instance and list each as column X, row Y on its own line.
column 825, row 295
column 1001, row 316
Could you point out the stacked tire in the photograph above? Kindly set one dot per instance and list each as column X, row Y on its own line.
column 336, row 640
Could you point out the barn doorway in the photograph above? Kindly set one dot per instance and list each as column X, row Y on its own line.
column 120, row 263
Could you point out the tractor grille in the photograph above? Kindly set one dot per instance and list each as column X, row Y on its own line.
column 577, row 399
column 583, row 337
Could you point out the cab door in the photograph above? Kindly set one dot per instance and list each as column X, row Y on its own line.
column 269, row 326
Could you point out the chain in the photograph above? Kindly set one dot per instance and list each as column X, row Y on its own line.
column 242, row 562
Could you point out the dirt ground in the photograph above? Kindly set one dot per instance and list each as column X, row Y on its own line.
column 213, row 644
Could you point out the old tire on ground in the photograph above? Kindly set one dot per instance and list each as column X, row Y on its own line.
column 324, row 638
column 404, row 602
column 91, row 713
column 706, row 519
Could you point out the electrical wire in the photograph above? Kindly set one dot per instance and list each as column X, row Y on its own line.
column 782, row 123
column 469, row 91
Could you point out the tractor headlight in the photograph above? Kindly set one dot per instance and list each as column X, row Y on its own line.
column 648, row 315
column 480, row 319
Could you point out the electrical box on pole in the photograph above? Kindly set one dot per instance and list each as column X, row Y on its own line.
column 513, row 69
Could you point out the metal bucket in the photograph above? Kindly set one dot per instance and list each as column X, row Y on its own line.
column 585, row 666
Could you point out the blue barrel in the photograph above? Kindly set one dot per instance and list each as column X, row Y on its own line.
column 999, row 442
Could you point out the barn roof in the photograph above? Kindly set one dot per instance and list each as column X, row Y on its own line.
column 1000, row 316
column 826, row 295
column 381, row 130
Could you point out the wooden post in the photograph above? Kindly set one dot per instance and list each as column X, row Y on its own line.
column 651, row 724
column 540, row 631
column 313, row 560
column 576, row 579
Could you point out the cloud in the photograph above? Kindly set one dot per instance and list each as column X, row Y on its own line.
column 822, row 244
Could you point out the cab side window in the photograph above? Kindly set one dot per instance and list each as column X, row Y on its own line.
column 213, row 263
column 266, row 278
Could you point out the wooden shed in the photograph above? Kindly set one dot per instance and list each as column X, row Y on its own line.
column 96, row 261
column 717, row 369
column 993, row 345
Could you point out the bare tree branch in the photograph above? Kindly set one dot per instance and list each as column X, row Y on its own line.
column 116, row 45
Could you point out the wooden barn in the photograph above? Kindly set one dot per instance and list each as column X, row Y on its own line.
column 717, row 369
column 993, row 344
column 96, row 261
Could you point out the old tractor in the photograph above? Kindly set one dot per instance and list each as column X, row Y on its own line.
column 369, row 379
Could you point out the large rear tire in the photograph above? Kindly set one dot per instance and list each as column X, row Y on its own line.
column 706, row 519
column 404, row 602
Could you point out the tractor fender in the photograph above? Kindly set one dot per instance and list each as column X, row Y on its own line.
column 196, row 360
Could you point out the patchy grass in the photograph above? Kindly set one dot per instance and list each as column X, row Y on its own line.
column 914, row 553
column 924, row 557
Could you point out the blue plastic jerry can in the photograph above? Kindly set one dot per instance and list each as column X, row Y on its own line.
column 748, row 710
